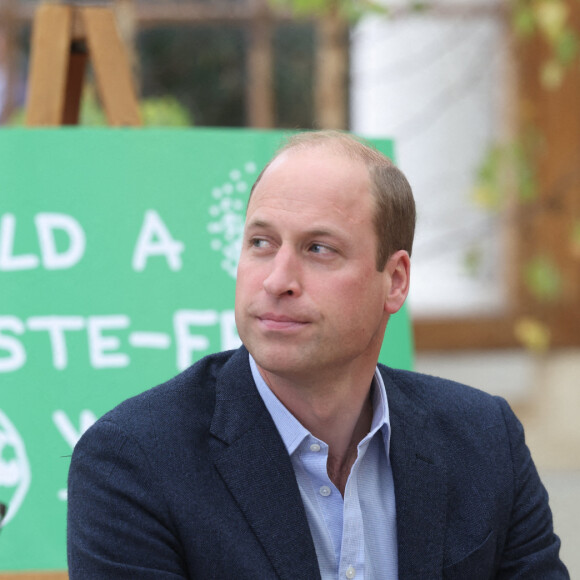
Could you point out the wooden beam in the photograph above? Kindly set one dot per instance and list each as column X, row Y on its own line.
column 260, row 82
column 471, row 333
column 331, row 76
column 546, row 223
column 440, row 334
column 112, row 68
column 49, row 65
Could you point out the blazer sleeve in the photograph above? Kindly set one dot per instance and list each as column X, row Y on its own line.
column 118, row 526
column 531, row 548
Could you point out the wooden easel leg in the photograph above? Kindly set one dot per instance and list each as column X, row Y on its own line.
column 111, row 67
column 58, row 64
column 49, row 63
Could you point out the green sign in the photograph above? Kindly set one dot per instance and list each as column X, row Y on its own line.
column 118, row 254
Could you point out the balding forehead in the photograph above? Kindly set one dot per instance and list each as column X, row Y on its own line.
column 330, row 143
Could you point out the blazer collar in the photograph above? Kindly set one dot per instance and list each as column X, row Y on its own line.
column 254, row 464
column 419, row 478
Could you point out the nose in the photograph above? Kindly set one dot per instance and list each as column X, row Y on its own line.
column 283, row 279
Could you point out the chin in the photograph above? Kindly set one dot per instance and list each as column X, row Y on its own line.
column 276, row 360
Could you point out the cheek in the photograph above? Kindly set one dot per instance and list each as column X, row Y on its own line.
column 363, row 295
column 343, row 296
column 248, row 280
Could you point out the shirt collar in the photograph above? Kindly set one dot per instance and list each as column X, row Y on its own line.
column 293, row 432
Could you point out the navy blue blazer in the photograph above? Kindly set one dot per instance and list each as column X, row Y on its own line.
column 191, row 480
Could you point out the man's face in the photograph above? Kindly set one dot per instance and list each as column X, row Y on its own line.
column 309, row 299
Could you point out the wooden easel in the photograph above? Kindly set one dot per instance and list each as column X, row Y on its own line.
column 64, row 37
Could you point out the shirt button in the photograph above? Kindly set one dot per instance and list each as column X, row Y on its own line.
column 324, row 490
column 315, row 447
column 350, row 572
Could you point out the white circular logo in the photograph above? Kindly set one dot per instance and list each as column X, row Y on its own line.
column 227, row 211
column 14, row 468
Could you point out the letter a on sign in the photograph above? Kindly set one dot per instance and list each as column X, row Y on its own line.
column 155, row 240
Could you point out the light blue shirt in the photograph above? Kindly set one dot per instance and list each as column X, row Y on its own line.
column 354, row 536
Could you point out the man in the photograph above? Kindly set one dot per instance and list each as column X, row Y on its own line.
column 295, row 456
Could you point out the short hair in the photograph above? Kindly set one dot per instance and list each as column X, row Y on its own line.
column 394, row 215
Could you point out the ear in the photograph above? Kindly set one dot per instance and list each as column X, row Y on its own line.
column 398, row 269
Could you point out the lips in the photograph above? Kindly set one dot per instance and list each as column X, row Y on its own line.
column 271, row 321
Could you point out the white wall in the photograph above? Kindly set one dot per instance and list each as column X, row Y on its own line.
column 431, row 83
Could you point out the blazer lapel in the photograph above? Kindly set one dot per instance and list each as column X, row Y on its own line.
column 420, row 488
column 253, row 462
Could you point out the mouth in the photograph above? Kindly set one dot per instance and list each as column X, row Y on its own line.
column 279, row 322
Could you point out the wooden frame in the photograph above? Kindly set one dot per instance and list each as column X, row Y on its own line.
column 543, row 227
column 63, row 38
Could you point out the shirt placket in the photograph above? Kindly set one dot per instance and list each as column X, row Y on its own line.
column 328, row 497
column 352, row 553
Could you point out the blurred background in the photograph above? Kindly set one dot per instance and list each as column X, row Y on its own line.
column 482, row 98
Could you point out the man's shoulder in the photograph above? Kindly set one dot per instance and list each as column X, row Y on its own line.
column 187, row 397
column 440, row 398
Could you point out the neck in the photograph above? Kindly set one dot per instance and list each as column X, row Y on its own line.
column 340, row 414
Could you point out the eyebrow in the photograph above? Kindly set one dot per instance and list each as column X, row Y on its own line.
column 315, row 232
column 258, row 224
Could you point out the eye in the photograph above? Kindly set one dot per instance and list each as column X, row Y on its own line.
column 320, row 249
column 259, row 243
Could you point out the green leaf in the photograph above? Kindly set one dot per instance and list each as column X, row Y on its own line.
column 523, row 20
column 504, row 168
column 488, row 189
column 305, row 8
column 164, row 111
column 350, row 10
column 567, row 47
column 543, row 279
